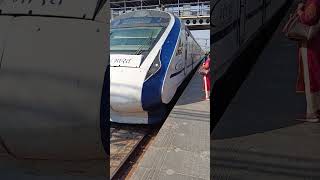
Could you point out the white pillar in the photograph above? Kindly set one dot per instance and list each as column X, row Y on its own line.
column 198, row 8
column 178, row 7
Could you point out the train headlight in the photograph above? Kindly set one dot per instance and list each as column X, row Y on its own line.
column 154, row 68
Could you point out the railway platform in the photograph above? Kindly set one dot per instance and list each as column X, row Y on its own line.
column 11, row 169
column 180, row 150
column 258, row 136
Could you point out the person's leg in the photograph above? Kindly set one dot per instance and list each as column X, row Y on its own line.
column 203, row 84
column 207, row 91
column 311, row 114
column 316, row 102
column 208, row 86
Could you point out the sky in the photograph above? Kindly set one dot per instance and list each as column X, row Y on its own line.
column 200, row 35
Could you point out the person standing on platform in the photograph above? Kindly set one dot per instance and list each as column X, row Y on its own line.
column 205, row 71
column 309, row 61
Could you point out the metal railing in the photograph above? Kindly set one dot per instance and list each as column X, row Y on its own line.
column 193, row 9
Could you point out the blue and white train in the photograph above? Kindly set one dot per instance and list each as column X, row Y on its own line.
column 151, row 53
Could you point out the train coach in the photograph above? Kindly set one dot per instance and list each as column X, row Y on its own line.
column 235, row 23
column 151, row 54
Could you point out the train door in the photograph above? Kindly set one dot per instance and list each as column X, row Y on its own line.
column 189, row 52
column 180, row 64
column 185, row 44
column 242, row 22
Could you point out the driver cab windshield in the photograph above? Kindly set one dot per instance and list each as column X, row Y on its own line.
column 133, row 40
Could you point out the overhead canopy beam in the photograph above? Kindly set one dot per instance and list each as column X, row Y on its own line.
column 133, row 3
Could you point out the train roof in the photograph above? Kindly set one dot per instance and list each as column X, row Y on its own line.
column 142, row 18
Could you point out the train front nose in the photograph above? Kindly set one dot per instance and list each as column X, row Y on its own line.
column 125, row 89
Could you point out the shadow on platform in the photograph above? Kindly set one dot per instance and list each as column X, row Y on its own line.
column 258, row 137
column 194, row 93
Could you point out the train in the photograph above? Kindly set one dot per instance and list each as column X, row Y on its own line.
column 53, row 69
column 151, row 54
column 236, row 23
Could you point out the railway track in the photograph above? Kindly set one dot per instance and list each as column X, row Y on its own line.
column 128, row 141
column 127, row 144
column 124, row 141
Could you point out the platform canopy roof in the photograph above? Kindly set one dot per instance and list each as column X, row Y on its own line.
column 132, row 3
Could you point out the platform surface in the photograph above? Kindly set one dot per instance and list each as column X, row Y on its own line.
column 258, row 136
column 10, row 169
column 181, row 150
